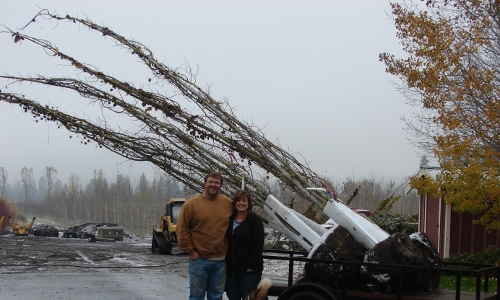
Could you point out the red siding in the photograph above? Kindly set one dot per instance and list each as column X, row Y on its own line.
column 465, row 236
column 429, row 221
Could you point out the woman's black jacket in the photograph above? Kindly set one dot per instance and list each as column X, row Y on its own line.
column 245, row 245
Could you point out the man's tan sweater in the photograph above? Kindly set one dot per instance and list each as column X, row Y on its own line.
column 202, row 226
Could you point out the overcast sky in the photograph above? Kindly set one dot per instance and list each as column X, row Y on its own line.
column 306, row 71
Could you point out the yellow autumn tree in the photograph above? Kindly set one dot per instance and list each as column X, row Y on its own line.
column 452, row 72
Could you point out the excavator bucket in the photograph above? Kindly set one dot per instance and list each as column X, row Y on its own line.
column 20, row 229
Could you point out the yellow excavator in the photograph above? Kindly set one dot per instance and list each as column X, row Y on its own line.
column 21, row 229
column 165, row 236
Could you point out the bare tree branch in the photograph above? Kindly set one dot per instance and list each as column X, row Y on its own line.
column 184, row 142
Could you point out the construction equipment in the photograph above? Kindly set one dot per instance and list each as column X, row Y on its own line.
column 21, row 229
column 165, row 236
column 1, row 224
column 308, row 233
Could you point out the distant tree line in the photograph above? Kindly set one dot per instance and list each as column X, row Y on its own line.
column 137, row 205
column 370, row 193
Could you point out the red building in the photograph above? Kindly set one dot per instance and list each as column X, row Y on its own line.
column 453, row 232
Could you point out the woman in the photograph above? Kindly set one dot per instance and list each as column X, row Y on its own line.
column 245, row 237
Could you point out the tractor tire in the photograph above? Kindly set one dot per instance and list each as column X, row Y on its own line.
column 167, row 249
column 308, row 291
column 155, row 248
column 160, row 245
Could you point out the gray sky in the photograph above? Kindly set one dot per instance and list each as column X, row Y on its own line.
column 306, row 71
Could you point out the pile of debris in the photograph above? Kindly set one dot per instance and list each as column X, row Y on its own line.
column 98, row 232
column 46, row 230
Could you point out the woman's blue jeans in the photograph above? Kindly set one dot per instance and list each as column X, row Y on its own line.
column 206, row 277
column 239, row 286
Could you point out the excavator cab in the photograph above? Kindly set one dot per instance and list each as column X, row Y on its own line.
column 165, row 237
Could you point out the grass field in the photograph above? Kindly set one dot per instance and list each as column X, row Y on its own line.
column 448, row 282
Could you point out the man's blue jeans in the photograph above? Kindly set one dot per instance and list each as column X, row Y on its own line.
column 239, row 286
column 206, row 276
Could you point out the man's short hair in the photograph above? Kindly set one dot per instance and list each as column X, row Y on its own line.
column 214, row 174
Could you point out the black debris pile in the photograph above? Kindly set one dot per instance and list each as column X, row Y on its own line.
column 46, row 230
column 98, row 232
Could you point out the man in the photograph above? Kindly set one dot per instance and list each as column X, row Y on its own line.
column 201, row 231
